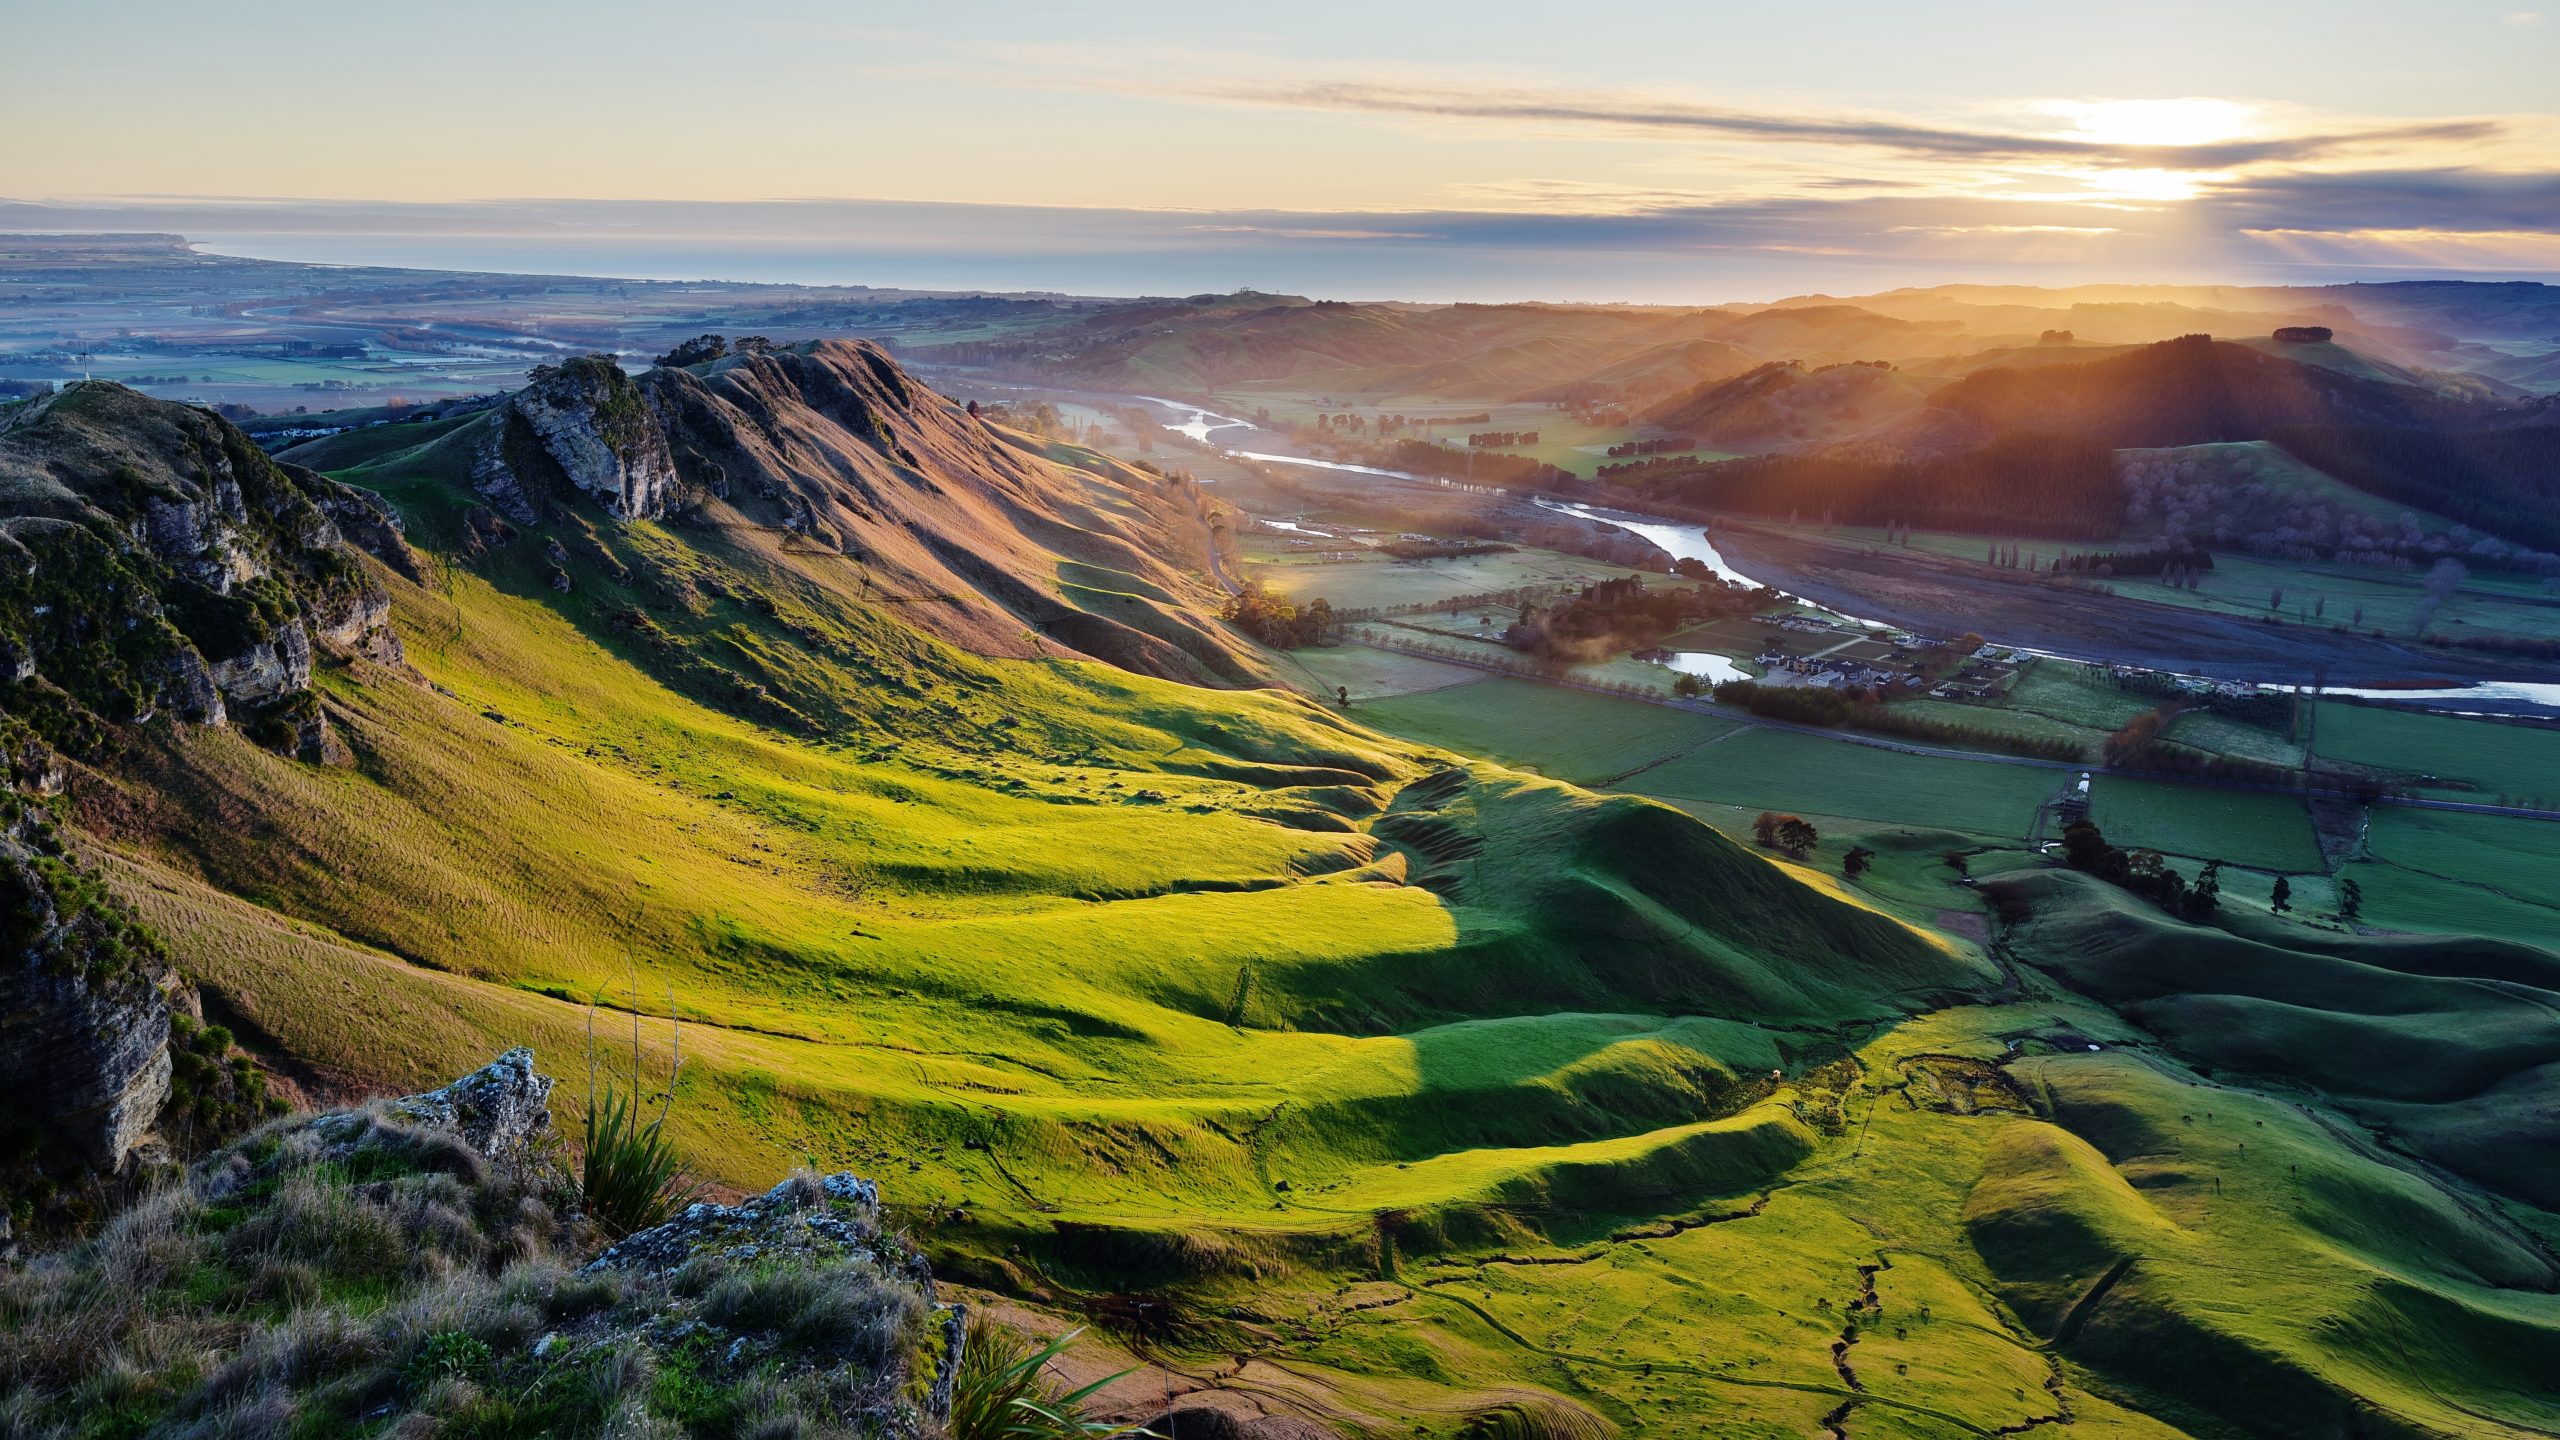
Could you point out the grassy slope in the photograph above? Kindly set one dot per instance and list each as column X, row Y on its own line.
column 1024, row 938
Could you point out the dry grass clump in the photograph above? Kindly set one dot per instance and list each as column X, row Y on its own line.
column 355, row 1273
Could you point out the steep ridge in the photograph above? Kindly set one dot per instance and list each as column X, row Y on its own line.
column 154, row 560
column 879, row 486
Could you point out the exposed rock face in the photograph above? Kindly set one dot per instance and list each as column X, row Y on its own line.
column 586, row 425
column 886, row 485
column 498, row 1110
column 154, row 561
column 84, row 1017
column 837, row 1214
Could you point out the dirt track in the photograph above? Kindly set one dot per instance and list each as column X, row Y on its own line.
column 1935, row 595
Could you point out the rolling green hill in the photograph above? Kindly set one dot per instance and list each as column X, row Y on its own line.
column 1370, row 1082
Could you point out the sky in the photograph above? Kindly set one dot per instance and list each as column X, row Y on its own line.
column 1695, row 151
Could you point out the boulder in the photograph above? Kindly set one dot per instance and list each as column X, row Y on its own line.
column 498, row 1110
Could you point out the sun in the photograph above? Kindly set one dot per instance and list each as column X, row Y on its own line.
column 2194, row 120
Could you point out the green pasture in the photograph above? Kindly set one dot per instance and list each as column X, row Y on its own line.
column 2238, row 827
column 1568, row 734
column 2074, row 694
column 2447, row 872
column 2488, row 760
column 1373, row 674
column 1784, row 770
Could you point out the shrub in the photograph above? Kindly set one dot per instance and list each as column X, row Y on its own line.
column 1004, row 1391
column 629, row 1177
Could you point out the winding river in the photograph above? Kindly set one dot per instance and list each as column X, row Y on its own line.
column 1689, row 541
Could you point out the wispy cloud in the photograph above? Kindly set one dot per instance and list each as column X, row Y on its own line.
column 1655, row 114
column 1304, row 232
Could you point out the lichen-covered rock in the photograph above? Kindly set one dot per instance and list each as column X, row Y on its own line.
column 84, row 1017
column 582, row 424
column 837, row 1216
column 382, row 1272
column 499, row 1110
column 154, row 561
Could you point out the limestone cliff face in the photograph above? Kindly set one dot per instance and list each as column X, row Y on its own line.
column 84, row 1010
column 584, row 425
column 153, row 561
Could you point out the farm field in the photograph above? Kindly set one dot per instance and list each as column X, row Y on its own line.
column 2485, row 758
column 2225, row 736
column 1782, row 770
column 1567, row 734
column 2004, row 719
column 1385, row 582
column 1473, row 635
column 2237, row 827
column 1370, row 673
column 2243, row 585
column 2077, row 695
column 2417, row 875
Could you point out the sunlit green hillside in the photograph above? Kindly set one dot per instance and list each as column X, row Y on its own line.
column 1384, row 1084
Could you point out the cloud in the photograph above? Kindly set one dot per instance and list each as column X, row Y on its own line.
column 1649, row 114
column 2522, row 19
column 2003, row 230
column 2456, row 200
column 1300, row 232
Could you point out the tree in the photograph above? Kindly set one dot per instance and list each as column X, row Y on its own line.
column 1796, row 834
column 1854, row 864
column 1688, row 687
column 973, row 409
column 2350, row 900
column 696, row 350
column 2085, row 847
column 2282, row 899
column 2205, row 896
column 1765, row 829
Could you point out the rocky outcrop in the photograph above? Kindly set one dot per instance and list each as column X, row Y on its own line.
column 153, row 561
column 887, row 489
column 500, row 1110
column 584, row 425
column 84, row 1013
column 808, row 1221
column 407, row 1264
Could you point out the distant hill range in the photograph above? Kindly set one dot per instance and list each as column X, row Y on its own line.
column 1967, row 406
column 2502, row 336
